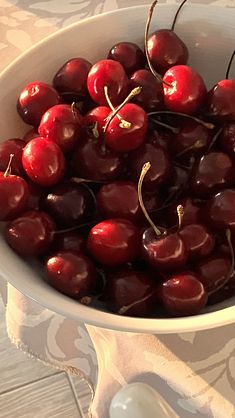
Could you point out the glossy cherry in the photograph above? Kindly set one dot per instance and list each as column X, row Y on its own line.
column 114, row 242
column 160, row 137
column 227, row 139
column 43, row 162
column 193, row 138
column 183, row 294
column 192, row 212
column 95, row 120
column 184, row 90
column 166, row 50
column 214, row 272
column 34, row 100
column 30, row 134
column 220, row 101
column 30, row 234
column 151, row 97
column 15, row 147
column 129, row 54
column 108, row 73
column 72, row 273
column 14, row 194
column 61, row 124
column 213, row 172
column 131, row 293
column 220, row 210
column 72, row 77
column 70, row 204
column 69, row 241
column 198, row 240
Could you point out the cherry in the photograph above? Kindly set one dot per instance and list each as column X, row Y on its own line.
column 94, row 162
column 220, row 101
column 129, row 55
column 227, row 139
column 72, row 77
column 166, row 50
column 114, row 242
column 72, row 274
column 70, row 204
column 214, row 272
column 30, row 134
column 36, row 195
column 198, row 240
column 161, row 138
column 131, row 293
column 183, row 294
column 108, row 73
column 30, row 234
column 43, row 162
column 68, row 241
column 184, row 89
column 61, row 124
column 193, row 138
column 220, row 210
column 224, row 293
column 192, row 212
column 151, row 96
column 34, row 100
column 160, row 170
column 15, row 147
column 213, row 172
column 96, row 119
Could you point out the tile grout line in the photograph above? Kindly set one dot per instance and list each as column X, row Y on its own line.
column 29, row 383
column 75, row 395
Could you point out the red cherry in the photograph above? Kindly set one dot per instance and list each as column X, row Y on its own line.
column 166, row 49
column 220, row 101
column 43, row 162
column 193, row 138
column 14, row 194
column 124, row 139
column 72, row 77
column 34, row 100
column 131, row 293
column 198, row 240
column 183, row 294
column 31, row 134
column 72, row 274
column 151, row 96
column 114, row 242
column 108, row 73
column 160, row 138
column 214, row 272
column 220, row 210
column 61, row 124
column 15, row 147
column 68, row 241
column 129, row 55
column 31, row 234
column 227, row 139
column 184, row 89
column 96, row 118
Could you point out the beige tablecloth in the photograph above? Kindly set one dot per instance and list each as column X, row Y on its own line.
column 194, row 372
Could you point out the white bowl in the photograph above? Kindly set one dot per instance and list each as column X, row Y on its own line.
column 210, row 35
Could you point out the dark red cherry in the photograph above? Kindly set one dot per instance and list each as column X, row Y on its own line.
column 131, row 293
column 34, row 100
column 191, row 212
column 183, row 294
column 43, row 162
column 151, row 97
column 31, row 234
column 96, row 120
column 94, row 162
column 164, row 252
column 220, row 101
column 160, row 170
column 166, row 49
column 36, row 196
column 214, row 272
column 61, row 124
column 198, row 240
column 186, row 90
column 72, row 77
column 125, row 139
column 31, row 134
column 15, row 147
column 114, row 242
column 220, row 210
column 14, row 195
column 227, row 292
column 129, row 55
column 72, row 273
column 213, row 172
column 68, row 241
column 227, row 139
column 192, row 139
column 161, row 138
column 108, row 73
column 70, row 204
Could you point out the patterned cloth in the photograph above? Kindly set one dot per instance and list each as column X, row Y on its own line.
column 194, row 372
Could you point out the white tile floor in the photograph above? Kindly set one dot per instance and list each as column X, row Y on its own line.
column 30, row 389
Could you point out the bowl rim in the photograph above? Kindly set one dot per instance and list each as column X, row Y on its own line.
column 91, row 315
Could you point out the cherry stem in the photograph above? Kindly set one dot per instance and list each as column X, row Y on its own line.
column 177, row 14
column 86, row 300
column 124, row 124
column 198, row 144
column 165, row 125
column 215, row 137
column 106, row 93
column 79, row 180
column 73, row 228
column 229, row 65
column 180, row 213
column 124, row 309
column 207, row 125
column 143, row 173
column 8, row 169
column 95, row 130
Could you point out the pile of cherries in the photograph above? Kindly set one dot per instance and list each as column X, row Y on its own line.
column 115, row 149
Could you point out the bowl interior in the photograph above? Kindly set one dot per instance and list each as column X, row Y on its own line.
column 209, row 33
